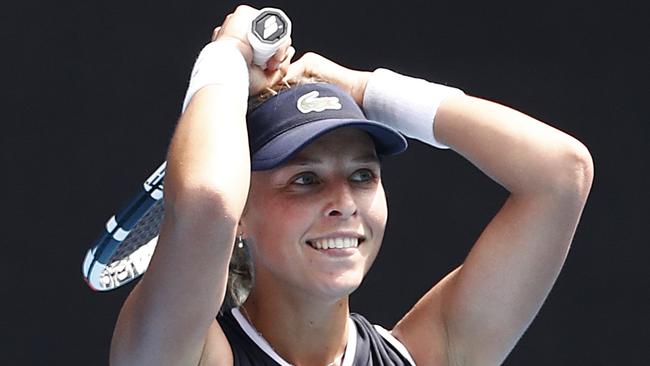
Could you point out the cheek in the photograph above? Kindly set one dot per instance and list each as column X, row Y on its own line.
column 274, row 230
column 378, row 210
column 274, row 222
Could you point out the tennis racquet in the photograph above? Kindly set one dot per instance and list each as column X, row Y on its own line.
column 124, row 248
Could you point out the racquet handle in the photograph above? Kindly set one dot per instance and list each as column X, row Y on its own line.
column 269, row 30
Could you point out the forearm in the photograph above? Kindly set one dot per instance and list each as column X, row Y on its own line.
column 520, row 153
column 514, row 263
column 209, row 151
column 485, row 306
column 517, row 151
column 205, row 193
column 167, row 315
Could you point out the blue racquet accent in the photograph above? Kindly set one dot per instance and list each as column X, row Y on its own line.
column 123, row 250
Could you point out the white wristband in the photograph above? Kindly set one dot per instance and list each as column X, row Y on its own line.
column 222, row 63
column 407, row 104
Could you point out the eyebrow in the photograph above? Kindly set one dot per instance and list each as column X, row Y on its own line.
column 302, row 161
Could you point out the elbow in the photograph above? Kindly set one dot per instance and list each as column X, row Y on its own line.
column 206, row 198
column 191, row 189
column 204, row 204
column 585, row 170
column 576, row 172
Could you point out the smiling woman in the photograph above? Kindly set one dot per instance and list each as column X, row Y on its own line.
column 328, row 197
column 344, row 155
column 303, row 199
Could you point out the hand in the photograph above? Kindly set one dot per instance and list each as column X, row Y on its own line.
column 235, row 28
column 314, row 65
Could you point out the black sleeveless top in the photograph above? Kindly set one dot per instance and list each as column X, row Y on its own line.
column 368, row 345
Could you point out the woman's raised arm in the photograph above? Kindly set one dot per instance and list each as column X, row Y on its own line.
column 483, row 307
column 169, row 317
column 477, row 313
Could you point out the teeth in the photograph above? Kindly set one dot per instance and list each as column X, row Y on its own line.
column 339, row 242
column 329, row 243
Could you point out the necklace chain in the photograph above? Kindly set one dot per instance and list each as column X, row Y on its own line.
column 250, row 321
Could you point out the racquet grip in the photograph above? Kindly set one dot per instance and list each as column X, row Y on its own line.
column 269, row 30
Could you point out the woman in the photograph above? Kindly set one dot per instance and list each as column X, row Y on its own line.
column 312, row 213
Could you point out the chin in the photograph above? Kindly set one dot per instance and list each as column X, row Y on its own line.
column 340, row 286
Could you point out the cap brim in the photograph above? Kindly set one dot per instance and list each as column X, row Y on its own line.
column 278, row 150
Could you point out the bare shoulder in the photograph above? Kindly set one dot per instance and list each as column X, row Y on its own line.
column 217, row 351
column 423, row 330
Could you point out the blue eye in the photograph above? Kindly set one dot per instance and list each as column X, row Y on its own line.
column 363, row 175
column 305, row 179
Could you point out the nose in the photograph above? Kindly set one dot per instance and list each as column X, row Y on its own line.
column 341, row 202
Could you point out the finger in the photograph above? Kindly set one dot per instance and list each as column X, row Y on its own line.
column 298, row 69
column 286, row 63
column 288, row 56
column 291, row 52
column 277, row 76
column 215, row 33
column 237, row 23
column 294, row 71
column 279, row 56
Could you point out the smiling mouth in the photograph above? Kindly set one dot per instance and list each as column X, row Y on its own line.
column 335, row 243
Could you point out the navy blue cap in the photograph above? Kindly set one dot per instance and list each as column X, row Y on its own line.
column 290, row 120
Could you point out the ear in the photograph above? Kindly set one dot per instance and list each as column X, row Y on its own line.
column 241, row 225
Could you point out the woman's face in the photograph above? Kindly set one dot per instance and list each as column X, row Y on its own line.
column 329, row 194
